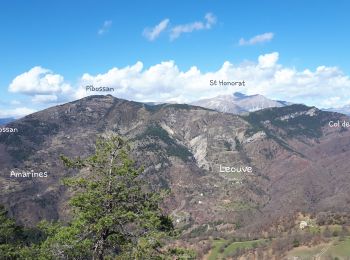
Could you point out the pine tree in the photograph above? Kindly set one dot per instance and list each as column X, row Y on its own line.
column 15, row 239
column 8, row 234
column 114, row 216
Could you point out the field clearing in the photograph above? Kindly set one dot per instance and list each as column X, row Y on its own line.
column 217, row 252
column 236, row 245
column 336, row 248
column 305, row 252
column 341, row 248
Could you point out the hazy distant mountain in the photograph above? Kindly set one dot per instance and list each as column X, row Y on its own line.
column 239, row 103
column 343, row 110
column 4, row 121
column 159, row 103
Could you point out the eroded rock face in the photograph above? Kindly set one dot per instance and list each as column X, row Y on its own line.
column 297, row 161
column 198, row 147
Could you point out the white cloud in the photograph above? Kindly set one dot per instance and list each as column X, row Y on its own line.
column 210, row 20
column 152, row 33
column 105, row 27
column 39, row 81
column 166, row 82
column 268, row 60
column 332, row 102
column 176, row 31
column 16, row 113
column 265, row 37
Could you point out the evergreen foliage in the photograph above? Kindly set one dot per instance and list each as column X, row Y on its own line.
column 114, row 215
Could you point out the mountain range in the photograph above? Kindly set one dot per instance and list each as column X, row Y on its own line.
column 344, row 109
column 4, row 121
column 239, row 103
column 221, row 168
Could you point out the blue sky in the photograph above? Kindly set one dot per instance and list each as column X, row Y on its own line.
column 71, row 38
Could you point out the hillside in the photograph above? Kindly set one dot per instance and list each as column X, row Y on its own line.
column 289, row 160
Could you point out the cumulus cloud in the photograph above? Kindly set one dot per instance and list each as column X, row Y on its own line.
column 152, row 33
column 209, row 21
column 268, row 60
column 39, row 81
column 105, row 27
column 166, row 82
column 265, row 37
